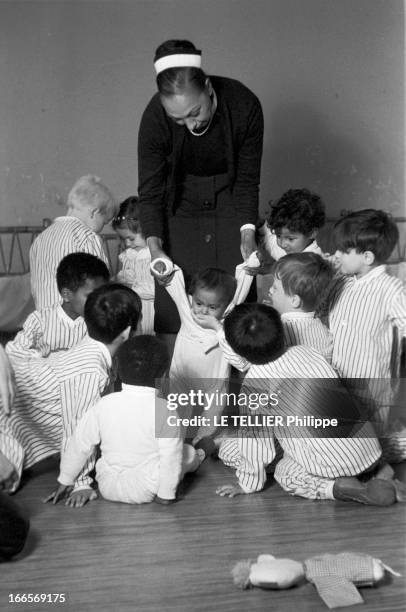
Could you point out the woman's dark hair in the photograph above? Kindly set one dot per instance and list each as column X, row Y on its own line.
column 175, row 80
column 214, row 279
column 109, row 310
column 128, row 216
column 255, row 332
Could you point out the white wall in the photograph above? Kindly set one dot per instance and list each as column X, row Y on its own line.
column 75, row 77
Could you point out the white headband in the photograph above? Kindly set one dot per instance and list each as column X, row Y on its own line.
column 178, row 60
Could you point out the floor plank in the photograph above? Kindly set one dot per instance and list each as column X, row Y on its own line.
column 109, row 557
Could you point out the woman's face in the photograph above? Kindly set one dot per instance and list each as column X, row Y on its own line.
column 192, row 108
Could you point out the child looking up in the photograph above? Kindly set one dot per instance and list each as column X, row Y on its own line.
column 61, row 326
column 368, row 311
column 135, row 260
column 317, row 464
column 57, row 391
column 142, row 458
column 90, row 207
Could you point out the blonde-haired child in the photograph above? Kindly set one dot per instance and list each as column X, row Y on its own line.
column 90, row 206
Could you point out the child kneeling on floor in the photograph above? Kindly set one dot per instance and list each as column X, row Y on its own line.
column 336, row 462
column 143, row 457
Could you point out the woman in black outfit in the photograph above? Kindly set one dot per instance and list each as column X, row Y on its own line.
column 199, row 152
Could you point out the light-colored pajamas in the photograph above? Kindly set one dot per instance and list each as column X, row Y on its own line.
column 367, row 320
column 136, row 273
column 44, row 332
column 304, row 328
column 50, row 399
column 311, row 462
column 141, row 455
column 198, row 361
column 66, row 235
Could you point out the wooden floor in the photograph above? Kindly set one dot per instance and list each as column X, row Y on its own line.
column 109, row 557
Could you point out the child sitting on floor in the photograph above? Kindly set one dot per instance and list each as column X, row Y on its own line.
column 319, row 463
column 368, row 316
column 198, row 362
column 142, row 457
column 135, row 261
column 57, row 391
column 291, row 227
column 90, row 207
column 61, row 326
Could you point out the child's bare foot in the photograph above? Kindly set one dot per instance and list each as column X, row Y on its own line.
column 8, row 474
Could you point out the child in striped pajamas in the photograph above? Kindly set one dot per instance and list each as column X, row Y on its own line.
column 143, row 458
column 316, row 464
column 367, row 312
column 291, row 227
column 58, row 390
column 61, row 326
column 135, row 261
column 90, row 207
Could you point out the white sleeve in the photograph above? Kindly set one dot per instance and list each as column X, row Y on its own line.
column 79, row 447
column 233, row 359
column 177, row 291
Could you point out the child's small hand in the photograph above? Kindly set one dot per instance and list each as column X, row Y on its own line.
column 206, row 321
column 61, row 492
column 230, row 491
column 163, row 502
column 77, row 499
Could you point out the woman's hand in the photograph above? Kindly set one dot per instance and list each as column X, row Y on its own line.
column 156, row 251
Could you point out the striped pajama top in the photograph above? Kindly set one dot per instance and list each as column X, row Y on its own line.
column 46, row 331
column 328, row 454
column 362, row 321
column 66, row 235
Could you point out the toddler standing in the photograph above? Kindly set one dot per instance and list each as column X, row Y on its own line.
column 135, row 260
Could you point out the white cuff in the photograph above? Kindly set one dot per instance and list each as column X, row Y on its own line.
column 250, row 226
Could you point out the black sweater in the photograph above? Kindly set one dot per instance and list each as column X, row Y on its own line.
column 160, row 143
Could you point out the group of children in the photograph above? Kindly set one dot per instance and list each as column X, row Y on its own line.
column 320, row 326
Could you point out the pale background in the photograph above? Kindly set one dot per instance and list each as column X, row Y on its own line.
column 75, row 77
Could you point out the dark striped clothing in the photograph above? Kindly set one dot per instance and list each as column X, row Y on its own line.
column 66, row 235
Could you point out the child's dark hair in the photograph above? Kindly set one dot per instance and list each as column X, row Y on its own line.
column 128, row 216
column 215, row 280
column 367, row 230
column 307, row 275
column 141, row 360
column 74, row 270
column 109, row 310
column 255, row 332
column 174, row 80
column 299, row 210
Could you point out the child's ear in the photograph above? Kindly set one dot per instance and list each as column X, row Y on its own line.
column 93, row 212
column 66, row 294
column 125, row 334
column 313, row 234
column 295, row 301
column 369, row 258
